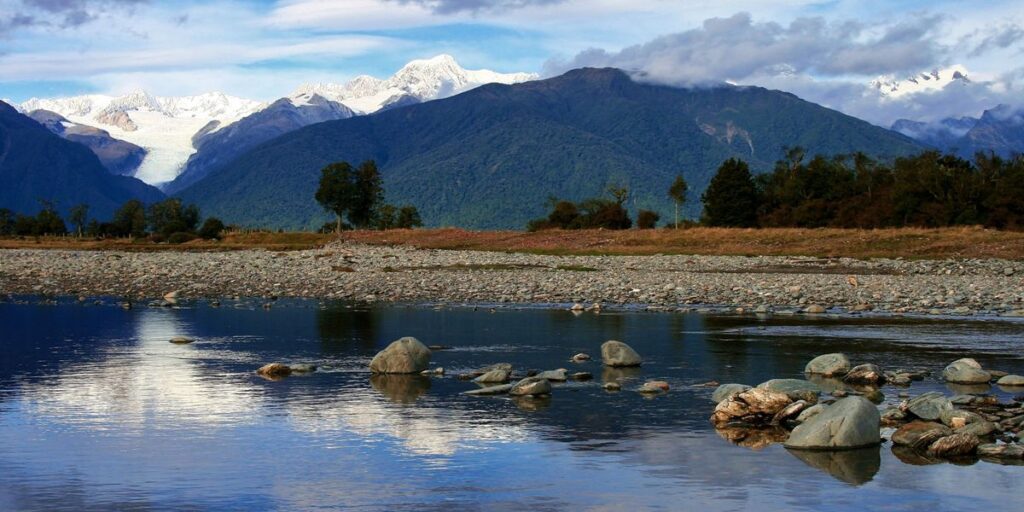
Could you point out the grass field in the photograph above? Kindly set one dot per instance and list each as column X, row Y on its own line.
column 968, row 242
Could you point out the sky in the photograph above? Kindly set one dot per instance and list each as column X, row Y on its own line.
column 827, row 51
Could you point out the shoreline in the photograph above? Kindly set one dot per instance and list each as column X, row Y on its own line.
column 401, row 274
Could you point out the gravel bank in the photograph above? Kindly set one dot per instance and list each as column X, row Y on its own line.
column 366, row 273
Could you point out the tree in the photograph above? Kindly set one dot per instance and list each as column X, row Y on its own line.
column 130, row 219
column 211, row 229
column 678, row 194
column 78, row 216
column 337, row 190
column 369, row 195
column 646, row 219
column 48, row 221
column 171, row 216
column 408, row 218
column 732, row 198
column 7, row 218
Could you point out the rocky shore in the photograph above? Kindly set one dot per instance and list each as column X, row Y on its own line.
column 372, row 274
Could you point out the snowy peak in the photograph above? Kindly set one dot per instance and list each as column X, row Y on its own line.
column 214, row 105
column 422, row 80
column 933, row 81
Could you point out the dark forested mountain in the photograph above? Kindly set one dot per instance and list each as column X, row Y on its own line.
column 490, row 157
column 217, row 148
column 118, row 156
column 36, row 164
column 999, row 130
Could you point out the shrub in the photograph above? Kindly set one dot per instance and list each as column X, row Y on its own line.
column 646, row 219
column 180, row 237
column 211, row 229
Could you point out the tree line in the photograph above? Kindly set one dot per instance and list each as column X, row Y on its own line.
column 165, row 221
column 357, row 194
column 930, row 189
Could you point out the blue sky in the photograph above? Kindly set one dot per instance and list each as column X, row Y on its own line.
column 264, row 49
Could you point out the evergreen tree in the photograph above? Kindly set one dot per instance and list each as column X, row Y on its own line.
column 337, row 191
column 678, row 194
column 408, row 218
column 171, row 216
column 130, row 219
column 48, row 221
column 732, row 197
column 79, row 216
column 369, row 195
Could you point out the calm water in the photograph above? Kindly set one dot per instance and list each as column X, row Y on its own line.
column 99, row 412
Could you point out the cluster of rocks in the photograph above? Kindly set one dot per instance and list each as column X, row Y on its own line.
column 928, row 428
column 344, row 270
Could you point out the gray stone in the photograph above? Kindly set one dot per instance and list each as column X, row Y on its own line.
column 497, row 373
column 1001, row 451
column 957, row 418
column 865, row 374
column 828, row 365
column 796, row 389
column 532, row 386
column 618, row 354
column 490, row 390
column 814, row 309
column 726, row 391
column 810, row 412
column 981, row 428
column 303, row 368
column 962, row 372
column 929, row 406
column 852, row 422
column 559, row 375
column 406, row 355
column 1011, row 380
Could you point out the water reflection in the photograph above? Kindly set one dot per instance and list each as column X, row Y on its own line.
column 401, row 389
column 855, row 467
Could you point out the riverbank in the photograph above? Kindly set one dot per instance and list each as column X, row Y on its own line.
column 399, row 273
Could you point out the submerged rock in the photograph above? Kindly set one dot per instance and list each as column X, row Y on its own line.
column 828, row 365
column 531, row 386
column 654, row 386
column 500, row 372
column 965, row 371
column 581, row 357
column 726, row 391
column 618, row 354
column 490, row 390
column 302, row 368
column 559, row 375
column 929, row 406
column 274, row 371
column 852, row 422
column 1001, row 451
column 406, row 355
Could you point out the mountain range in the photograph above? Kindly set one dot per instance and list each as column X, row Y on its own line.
column 37, row 164
column 489, row 157
column 182, row 135
column 999, row 130
column 118, row 156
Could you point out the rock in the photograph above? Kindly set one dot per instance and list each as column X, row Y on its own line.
column 997, row 374
column 558, row 375
column 406, row 355
column 962, row 371
column 577, row 307
column 865, row 374
column 612, row 386
column 1011, row 380
column 791, row 410
column 171, row 297
column 302, row 368
column 956, row 418
column 828, row 365
column 1001, row 451
column 500, row 372
column 875, row 396
column 929, row 406
column 532, row 386
column 920, row 434
column 814, row 309
column 274, row 371
column 810, row 412
column 618, row 354
column 579, row 358
column 754, row 406
column 582, row 376
column 852, row 422
column 981, row 428
column 893, row 416
column 181, row 340
column 728, row 391
column 490, row 390
column 796, row 389
column 654, row 386
column 436, row 371
column 954, row 445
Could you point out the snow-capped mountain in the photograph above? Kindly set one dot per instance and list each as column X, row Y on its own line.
column 419, row 80
column 163, row 126
column 935, row 80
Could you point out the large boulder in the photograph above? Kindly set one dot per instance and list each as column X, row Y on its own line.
column 406, row 355
column 754, row 406
column 828, row 365
column 865, row 374
column 796, row 389
column 965, row 371
column 728, row 391
column 532, row 386
column 618, row 354
column 852, row 422
column 929, row 406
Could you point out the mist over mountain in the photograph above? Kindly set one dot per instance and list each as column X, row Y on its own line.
column 999, row 130
column 490, row 157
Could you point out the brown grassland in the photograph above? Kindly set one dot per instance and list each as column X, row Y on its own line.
column 917, row 243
